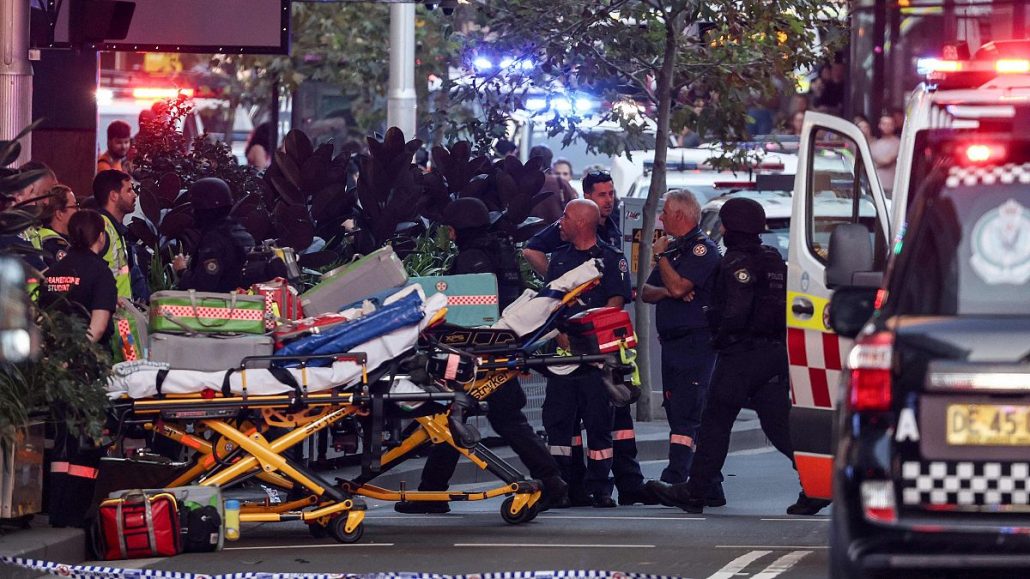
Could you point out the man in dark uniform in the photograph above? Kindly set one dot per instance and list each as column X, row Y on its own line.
column 217, row 263
column 629, row 480
column 681, row 289
column 480, row 252
column 581, row 395
column 748, row 318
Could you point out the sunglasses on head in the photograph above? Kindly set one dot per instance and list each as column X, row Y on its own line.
column 599, row 174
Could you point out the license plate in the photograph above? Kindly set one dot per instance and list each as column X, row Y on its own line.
column 988, row 425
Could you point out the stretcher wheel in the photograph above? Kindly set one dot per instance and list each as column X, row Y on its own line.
column 318, row 530
column 338, row 530
column 523, row 516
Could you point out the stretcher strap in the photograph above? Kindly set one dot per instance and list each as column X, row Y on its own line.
column 159, row 381
column 286, row 377
column 226, row 386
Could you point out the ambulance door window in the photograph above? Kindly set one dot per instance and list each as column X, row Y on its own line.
column 840, row 192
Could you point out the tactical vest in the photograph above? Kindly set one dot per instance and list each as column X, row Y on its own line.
column 769, row 313
column 117, row 258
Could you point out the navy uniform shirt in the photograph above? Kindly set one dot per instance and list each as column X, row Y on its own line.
column 697, row 259
column 614, row 279
column 548, row 239
column 84, row 279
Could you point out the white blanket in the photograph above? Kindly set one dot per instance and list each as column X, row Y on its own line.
column 139, row 379
column 530, row 310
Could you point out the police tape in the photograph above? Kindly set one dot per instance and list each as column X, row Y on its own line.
column 107, row 572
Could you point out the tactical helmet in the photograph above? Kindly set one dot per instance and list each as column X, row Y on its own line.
column 743, row 215
column 466, row 213
column 210, row 193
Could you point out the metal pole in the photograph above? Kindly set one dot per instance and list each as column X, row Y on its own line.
column 401, row 102
column 15, row 74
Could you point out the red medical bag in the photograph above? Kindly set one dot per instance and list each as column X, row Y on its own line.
column 600, row 331
column 137, row 526
column 282, row 302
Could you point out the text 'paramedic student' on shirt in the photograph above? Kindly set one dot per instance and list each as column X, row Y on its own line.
column 81, row 283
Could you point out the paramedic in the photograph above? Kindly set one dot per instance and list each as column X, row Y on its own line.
column 582, row 395
column 629, row 479
column 56, row 211
column 116, row 198
column 680, row 286
column 469, row 222
column 217, row 263
column 748, row 321
column 83, row 279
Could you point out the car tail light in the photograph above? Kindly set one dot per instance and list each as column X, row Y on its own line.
column 1012, row 66
column 878, row 504
column 870, row 364
column 984, row 153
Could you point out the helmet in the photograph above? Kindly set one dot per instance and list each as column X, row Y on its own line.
column 466, row 213
column 210, row 193
column 743, row 215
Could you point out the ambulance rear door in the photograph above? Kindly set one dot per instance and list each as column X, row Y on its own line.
column 836, row 183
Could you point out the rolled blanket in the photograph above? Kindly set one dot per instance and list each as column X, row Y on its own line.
column 528, row 313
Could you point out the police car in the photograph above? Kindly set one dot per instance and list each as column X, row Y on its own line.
column 929, row 467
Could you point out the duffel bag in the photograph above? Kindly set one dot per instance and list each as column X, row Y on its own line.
column 138, row 525
column 129, row 341
column 207, row 313
column 375, row 272
column 207, row 353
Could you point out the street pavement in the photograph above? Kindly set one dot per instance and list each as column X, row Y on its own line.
column 751, row 537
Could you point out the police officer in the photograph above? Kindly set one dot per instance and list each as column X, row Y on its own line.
column 748, row 317
column 599, row 188
column 582, row 394
column 479, row 251
column 217, row 263
column 681, row 289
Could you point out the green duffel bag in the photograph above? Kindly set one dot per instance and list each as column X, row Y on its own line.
column 194, row 312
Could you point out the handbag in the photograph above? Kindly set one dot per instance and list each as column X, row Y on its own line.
column 138, row 525
column 194, row 312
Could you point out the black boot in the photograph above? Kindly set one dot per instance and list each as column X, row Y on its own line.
column 642, row 495
column 677, row 495
column 806, row 505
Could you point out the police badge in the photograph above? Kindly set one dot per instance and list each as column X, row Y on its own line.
column 1000, row 243
column 700, row 250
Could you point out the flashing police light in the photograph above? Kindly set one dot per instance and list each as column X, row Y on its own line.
column 486, row 64
column 581, row 105
column 981, row 153
column 160, row 93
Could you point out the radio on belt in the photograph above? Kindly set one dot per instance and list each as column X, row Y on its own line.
column 600, row 331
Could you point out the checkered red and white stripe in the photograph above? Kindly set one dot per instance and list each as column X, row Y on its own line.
column 816, row 360
column 128, row 350
column 210, row 313
column 471, row 300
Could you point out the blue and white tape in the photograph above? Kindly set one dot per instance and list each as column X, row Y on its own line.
column 107, row 572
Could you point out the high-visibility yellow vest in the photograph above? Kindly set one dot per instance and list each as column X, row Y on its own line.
column 117, row 258
column 32, row 235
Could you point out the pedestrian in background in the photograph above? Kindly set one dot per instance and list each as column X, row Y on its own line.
column 550, row 209
column 748, row 324
column 562, row 168
column 884, row 151
column 81, row 283
column 469, row 222
column 119, row 141
column 680, row 286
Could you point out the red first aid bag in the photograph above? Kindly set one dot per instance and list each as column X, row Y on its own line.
column 297, row 329
column 600, row 331
column 138, row 525
column 282, row 302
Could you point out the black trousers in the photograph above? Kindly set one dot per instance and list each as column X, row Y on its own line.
column 504, row 411
column 580, row 398
column 756, row 371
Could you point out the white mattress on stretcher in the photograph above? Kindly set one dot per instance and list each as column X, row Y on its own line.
column 138, row 379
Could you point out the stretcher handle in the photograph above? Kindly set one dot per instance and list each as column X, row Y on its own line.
column 544, row 361
column 356, row 357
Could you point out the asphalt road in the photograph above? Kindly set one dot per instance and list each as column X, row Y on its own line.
column 750, row 537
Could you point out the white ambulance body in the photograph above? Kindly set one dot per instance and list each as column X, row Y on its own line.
column 816, row 353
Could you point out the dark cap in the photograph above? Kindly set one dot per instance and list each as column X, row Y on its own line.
column 119, row 130
column 466, row 213
column 210, row 193
column 743, row 215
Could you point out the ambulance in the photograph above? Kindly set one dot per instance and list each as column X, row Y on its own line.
column 921, row 432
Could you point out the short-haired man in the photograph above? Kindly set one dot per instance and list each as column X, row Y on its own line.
column 680, row 286
column 582, row 396
column 119, row 141
column 629, row 479
column 116, row 198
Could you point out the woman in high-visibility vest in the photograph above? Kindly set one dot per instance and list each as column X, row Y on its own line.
column 57, row 210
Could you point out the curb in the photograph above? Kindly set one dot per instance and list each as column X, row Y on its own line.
column 44, row 543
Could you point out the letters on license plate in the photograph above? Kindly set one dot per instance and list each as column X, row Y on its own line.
column 988, row 425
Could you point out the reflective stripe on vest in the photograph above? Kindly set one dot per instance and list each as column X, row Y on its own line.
column 117, row 259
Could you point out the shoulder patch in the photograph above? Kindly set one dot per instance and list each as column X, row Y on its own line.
column 742, row 275
column 212, row 267
column 700, row 250
column 60, row 254
column 623, row 266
